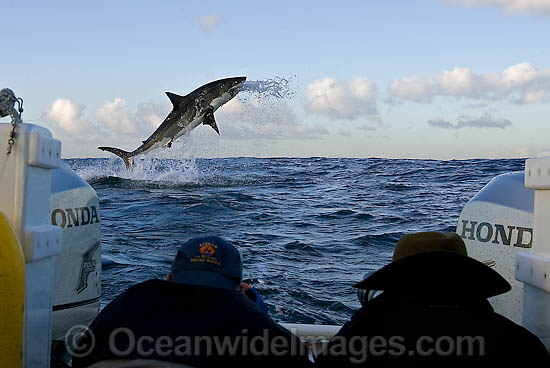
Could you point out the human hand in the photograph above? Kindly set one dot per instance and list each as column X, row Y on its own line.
column 244, row 287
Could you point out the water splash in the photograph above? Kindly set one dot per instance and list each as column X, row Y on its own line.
column 278, row 87
column 147, row 169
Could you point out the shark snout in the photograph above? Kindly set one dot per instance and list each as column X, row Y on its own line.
column 237, row 84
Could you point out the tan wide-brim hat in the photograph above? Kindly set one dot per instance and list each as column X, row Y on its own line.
column 436, row 262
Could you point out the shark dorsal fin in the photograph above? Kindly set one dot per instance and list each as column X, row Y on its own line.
column 174, row 98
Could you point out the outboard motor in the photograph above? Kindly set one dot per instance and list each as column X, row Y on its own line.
column 74, row 207
column 495, row 224
column 40, row 190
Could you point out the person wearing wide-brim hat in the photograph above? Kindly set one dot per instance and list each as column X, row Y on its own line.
column 433, row 310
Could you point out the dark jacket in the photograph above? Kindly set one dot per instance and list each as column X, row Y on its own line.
column 194, row 325
column 431, row 330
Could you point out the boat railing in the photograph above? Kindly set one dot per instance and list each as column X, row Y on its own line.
column 533, row 266
column 316, row 337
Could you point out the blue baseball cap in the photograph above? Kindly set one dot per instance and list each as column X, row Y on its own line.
column 208, row 261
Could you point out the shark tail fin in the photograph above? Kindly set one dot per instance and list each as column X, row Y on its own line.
column 124, row 155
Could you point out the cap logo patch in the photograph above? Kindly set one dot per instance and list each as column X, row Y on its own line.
column 207, row 254
column 208, row 248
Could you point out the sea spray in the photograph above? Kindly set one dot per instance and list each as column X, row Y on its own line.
column 277, row 87
column 148, row 169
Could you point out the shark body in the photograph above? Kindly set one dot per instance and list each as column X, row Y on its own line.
column 189, row 111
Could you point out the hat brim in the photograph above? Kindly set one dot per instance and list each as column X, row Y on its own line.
column 205, row 278
column 437, row 271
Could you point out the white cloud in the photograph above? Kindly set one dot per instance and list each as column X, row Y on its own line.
column 341, row 99
column 209, row 22
column 483, row 122
column 150, row 114
column 543, row 153
column 114, row 115
column 344, row 133
column 118, row 117
column 520, row 83
column 66, row 115
column 513, row 6
column 367, row 128
column 263, row 119
column 113, row 121
column 233, row 107
column 530, row 84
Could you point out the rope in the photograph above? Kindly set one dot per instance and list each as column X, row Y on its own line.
column 7, row 107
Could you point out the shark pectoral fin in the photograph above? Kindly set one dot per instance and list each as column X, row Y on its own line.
column 209, row 120
column 169, row 144
column 176, row 99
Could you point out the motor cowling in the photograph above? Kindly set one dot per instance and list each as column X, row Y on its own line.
column 77, row 269
column 495, row 224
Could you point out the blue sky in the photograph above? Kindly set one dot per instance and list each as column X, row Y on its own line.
column 412, row 79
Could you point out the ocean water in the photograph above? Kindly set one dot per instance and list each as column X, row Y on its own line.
column 307, row 228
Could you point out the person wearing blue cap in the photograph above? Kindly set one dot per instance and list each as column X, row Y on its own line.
column 199, row 317
column 212, row 262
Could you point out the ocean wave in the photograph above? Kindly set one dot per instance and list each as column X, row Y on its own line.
column 307, row 227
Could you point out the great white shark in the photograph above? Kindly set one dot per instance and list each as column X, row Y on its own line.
column 189, row 111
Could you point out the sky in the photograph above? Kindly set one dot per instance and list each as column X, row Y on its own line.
column 442, row 79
